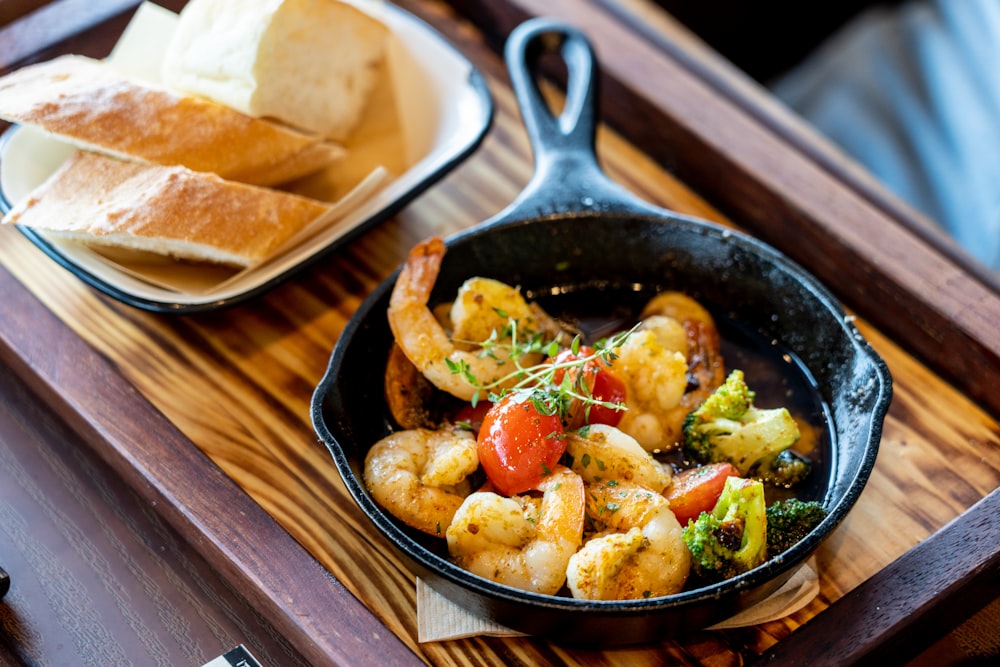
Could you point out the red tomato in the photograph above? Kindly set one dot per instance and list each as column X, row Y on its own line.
column 473, row 416
column 518, row 446
column 604, row 386
column 697, row 490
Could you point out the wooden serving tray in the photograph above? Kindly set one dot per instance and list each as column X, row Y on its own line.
column 206, row 416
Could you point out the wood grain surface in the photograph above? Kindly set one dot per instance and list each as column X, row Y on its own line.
column 161, row 396
column 940, row 579
column 98, row 577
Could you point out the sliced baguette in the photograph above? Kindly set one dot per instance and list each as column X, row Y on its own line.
column 170, row 211
column 310, row 63
column 89, row 104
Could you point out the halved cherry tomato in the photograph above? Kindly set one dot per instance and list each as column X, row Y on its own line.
column 473, row 415
column 697, row 490
column 518, row 446
column 604, row 386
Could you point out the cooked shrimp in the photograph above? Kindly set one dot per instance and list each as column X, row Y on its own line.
column 409, row 395
column 482, row 311
column 484, row 308
column 653, row 364
column 640, row 554
column 706, row 367
column 420, row 475
column 522, row 541
column 670, row 364
column 599, row 452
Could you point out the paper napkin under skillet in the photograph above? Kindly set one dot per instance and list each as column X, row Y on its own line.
column 440, row 619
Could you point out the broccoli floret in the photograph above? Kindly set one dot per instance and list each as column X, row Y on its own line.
column 728, row 427
column 732, row 538
column 790, row 520
column 787, row 469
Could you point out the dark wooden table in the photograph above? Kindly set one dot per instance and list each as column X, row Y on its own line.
column 98, row 576
column 205, row 417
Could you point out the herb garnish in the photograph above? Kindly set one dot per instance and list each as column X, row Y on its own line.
column 536, row 383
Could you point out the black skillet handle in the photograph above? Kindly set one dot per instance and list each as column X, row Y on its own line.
column 567, row 175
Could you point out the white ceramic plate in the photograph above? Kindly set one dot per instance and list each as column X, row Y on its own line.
column 448, row 111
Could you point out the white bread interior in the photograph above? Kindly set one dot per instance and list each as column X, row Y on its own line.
column 310, row 63
column 171, row 211
column 89, row 104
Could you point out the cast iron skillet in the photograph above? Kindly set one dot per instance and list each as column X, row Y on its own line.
column 583, row 246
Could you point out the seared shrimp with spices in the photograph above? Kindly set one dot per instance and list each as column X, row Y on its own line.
column 638, row 551
column 521, row 541
column 654, row 369
column 421, row 476
column 706, row 367
column 600, row 452
column 410, row 396
column 670, row 365
column 485, row 311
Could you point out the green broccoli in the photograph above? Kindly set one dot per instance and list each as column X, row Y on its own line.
column 732, row 538
column 790, row 520
column 787, row 469
column 728, row 427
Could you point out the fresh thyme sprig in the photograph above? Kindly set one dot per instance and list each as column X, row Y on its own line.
column 537, row 383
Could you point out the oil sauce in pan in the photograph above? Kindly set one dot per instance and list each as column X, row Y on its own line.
column 778, row 378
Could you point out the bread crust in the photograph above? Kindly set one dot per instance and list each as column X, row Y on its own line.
column 91, row 105
column 171, row 211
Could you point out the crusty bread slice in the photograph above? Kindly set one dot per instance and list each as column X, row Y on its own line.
column 171, row 211
column 310, row 63
column 89, row 104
